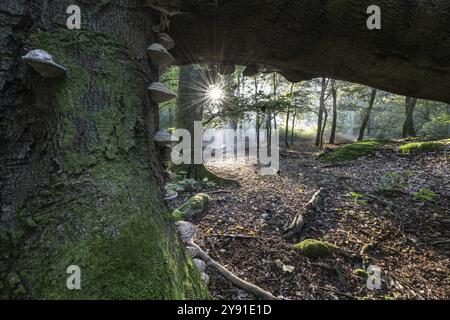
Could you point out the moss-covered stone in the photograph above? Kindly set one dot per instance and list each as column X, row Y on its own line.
column 194, row 206
column 315, row 249
column 352, row 151
column 421, row 147
column 361, row 273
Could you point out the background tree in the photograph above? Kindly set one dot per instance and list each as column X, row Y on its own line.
column 362, row 130
column 408, row 126
column 334, row 122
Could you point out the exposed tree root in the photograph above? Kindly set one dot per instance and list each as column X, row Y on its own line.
column 200, row 172
column 242, row 284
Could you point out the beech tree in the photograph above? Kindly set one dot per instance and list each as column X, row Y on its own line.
column 81, row 183
column 408, row 127
column 365, row 120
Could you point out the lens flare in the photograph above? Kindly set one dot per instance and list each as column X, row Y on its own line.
column 216, row 94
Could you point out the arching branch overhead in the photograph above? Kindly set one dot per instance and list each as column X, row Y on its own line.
column 410, row 55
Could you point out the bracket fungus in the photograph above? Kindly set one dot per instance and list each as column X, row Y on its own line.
column 205, row 278
column 186, row 230
column 163, row 138
column 200, row 265
column 166, row 41
column 164, row 142
column 159, row 55
column 170, row 195
column 160, row 93
column 42, row 62
column 193, row 251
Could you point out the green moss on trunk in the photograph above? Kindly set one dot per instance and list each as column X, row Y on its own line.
column 101, row 207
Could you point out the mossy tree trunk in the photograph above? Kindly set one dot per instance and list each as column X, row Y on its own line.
column 80, row 179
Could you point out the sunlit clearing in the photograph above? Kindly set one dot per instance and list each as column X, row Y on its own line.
column 216, row 94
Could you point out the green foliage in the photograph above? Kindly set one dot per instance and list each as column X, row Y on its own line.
column 182, row 185
column 439, row 126
column 359, row 198
column 419, row 147
column 315, row 249
column 352, row 151
column 392, row 181
column 424, row 195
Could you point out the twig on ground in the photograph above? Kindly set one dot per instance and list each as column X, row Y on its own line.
column 242, row 284
column 236, row 236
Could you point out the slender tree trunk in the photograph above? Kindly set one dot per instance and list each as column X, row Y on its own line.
column 362, row 129
column 80, row 177
column 321, row 111
column 288, row 114
column 258, row 121
column 293, row 124
column 322, row 133
column 334, row 124
column 286, row 133
column 408, row 126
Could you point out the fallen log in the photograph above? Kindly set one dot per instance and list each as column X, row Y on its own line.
column 297, row 225
column 242, row 284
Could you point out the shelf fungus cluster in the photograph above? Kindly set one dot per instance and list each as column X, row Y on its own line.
column 42, row 62
column 160, row 93
column 159, row 55
column 187, row 232
column 161, row 58
column 163, row 141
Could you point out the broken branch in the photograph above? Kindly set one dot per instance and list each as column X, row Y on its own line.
column 242, row 284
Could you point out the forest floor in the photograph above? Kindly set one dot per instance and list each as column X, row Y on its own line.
column 409, row 236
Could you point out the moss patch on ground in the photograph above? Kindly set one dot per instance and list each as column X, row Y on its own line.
column 315, row 249
column 352, row 151
column 422, row 147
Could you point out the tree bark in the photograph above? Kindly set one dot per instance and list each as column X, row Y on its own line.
column 408, row 56
column 321, row 111
column 293, row 124
column 192, row 95
column 362, row 129
column 334, row 124
column 408, row 126
column 80, row 179
column 286, row 133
